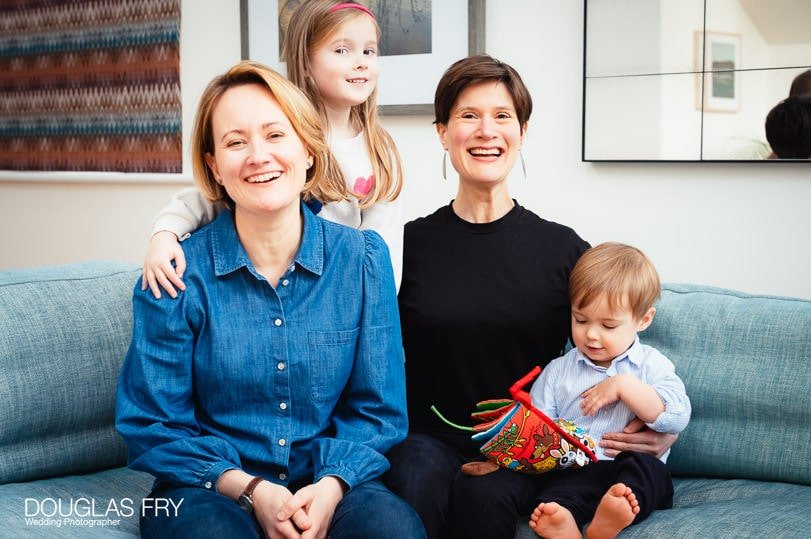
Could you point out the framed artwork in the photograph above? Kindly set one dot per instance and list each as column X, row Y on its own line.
column 419, row 40
column 91, row 100
column 718, row 57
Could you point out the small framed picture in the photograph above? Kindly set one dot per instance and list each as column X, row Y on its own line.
column 718, row 57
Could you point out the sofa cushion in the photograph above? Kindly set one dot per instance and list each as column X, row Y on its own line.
column 63, row 335
column 745, row 362
column 102, row 504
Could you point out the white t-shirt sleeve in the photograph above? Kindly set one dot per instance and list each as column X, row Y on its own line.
column 187, row 211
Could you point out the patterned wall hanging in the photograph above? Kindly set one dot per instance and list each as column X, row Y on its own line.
column 90, row 85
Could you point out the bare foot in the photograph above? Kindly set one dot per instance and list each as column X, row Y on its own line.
column 553, row 521
column 616, row 511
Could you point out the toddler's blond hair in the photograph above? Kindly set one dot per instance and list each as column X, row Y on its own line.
column 620, row 274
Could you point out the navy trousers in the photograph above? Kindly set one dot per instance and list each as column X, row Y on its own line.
column 580, row 490
column 367, row 511
column 425, row 473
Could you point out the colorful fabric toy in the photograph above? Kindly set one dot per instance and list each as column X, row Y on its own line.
column 517, row 436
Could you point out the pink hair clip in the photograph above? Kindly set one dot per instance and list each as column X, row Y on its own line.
column 350, row 5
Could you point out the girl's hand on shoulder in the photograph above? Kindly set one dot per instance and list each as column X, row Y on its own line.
column 158, row 270
column 319, row 501
column 269, row 502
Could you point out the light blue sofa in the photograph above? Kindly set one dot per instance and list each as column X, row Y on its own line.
column 63, row 335
column 742, row 465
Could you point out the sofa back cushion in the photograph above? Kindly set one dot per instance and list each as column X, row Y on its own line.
column 746, row 363
column 64, row 332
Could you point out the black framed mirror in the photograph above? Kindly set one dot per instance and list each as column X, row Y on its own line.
column 689, row 80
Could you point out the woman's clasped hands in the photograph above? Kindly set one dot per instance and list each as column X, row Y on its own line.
column 305, row 514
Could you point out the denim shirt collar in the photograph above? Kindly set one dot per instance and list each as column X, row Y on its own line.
column 634, row 354
column 229, row 254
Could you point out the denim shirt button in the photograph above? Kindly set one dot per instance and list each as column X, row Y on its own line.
column 208, row 484
column 285, row 282
column 280, row 365
column 283, row 405
column 278, row 322
column 282, row 476
column 282, row 442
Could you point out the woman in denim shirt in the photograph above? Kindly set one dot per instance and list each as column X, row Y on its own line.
column 264, row 397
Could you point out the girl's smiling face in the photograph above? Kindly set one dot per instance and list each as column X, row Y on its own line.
column 344, row 66
column 258, row 157
column 483, row 135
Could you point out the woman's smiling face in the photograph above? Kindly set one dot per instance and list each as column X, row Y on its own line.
column 258, row 156
column 483, row 135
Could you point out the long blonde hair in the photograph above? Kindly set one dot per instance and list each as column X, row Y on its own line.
column 321, row 177
column 310, row 26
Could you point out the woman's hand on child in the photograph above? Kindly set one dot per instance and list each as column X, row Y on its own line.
column 636, row 436
column 158, row 269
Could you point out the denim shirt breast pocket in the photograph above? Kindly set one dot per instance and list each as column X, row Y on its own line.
column 331, row 357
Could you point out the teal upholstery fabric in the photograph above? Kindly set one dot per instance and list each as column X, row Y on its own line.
column 73, row 501
column 63, row 335
column 746, row 363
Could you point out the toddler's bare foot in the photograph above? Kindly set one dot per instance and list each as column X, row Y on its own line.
column 616, row 511
column 553, row 521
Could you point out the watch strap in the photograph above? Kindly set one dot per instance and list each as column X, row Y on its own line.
column 248, row 492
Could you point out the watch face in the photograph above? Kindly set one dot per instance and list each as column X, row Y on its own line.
column 246, row 503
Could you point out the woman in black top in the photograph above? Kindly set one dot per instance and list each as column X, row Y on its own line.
column 483, row 299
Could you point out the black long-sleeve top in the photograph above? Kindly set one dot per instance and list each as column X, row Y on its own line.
column 480, row 305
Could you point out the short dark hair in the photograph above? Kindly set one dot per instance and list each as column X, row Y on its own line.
column 801, row 85
column 474, row 69
column 788, row 128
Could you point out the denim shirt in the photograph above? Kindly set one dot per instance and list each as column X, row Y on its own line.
column 292, row 383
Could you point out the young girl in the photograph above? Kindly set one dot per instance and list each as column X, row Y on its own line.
column 330, row 49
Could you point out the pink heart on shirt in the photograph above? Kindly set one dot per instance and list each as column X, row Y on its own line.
column 363, row 185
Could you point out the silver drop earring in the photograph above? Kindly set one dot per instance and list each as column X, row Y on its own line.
column 445, row 165
column 523, row 164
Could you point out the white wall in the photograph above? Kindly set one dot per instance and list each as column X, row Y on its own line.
column 53, row 221
column 743, row 226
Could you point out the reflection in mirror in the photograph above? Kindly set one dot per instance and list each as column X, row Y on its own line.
column 635, row 118
column 741, row 135
column 641, row 37
column 663, row 83
column 788, row 125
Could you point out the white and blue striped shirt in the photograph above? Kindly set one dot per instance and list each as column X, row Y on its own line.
column 557, row 391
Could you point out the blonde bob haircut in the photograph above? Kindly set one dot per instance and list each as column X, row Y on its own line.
column 617, row 273
column 324, row 179
column 310, row 26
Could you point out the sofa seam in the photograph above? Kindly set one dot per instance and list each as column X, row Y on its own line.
column 65, row 279
column 732, row 293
